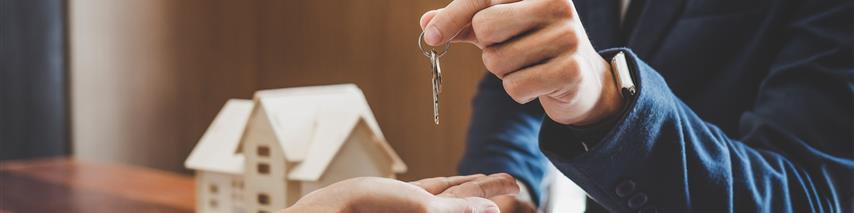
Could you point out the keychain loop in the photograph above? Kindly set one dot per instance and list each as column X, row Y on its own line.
column 427, row 52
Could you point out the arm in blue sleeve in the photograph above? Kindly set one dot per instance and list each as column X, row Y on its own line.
column 502, row 137
column 794, row 152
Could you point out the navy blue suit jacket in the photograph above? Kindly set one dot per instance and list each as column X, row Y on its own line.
column 743, row 106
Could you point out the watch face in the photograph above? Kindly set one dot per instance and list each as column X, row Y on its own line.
column 620, row 69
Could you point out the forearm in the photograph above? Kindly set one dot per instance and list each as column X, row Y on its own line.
column 662, row 155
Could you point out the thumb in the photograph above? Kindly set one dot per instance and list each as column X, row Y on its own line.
column 466, row 35
column 463, row 205
column 425, row 19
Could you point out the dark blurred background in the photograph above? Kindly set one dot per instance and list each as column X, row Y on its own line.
column 139, row 81
column 33, row 79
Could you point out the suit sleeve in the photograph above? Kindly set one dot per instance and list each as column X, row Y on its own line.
column 502, row 137
column 793, row 153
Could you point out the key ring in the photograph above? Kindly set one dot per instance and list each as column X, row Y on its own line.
column 427, row 53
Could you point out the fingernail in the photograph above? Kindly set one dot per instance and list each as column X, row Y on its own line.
column 432, row 36
column 423, row 19
column 492, row 209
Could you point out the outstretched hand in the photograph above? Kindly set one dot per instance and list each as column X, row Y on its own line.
column 463, row 194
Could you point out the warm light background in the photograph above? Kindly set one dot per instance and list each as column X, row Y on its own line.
column 147, row 77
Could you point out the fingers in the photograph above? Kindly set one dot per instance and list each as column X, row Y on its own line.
column 509, row 203
column 467, row 193
column 536, row 47
column 439, row 184
column 499, row 23
column 553, row 78
column 468, row 205
column 486, row 22
column 466, row 35
column 427, row 17
column 489, row 186
column 454, row 18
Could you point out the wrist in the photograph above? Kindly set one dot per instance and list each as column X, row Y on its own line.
column 610, row 100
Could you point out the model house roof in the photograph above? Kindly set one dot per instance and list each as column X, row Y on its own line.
column 325, row 147
column 311, row 123
column 216, row 149
column 297, row 113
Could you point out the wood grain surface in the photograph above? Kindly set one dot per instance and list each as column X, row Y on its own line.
column 65, row 185
column 149, row 76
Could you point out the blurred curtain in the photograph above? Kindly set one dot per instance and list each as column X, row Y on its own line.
column 33, row 91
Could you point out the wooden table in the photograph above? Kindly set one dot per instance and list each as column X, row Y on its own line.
column 67, row 185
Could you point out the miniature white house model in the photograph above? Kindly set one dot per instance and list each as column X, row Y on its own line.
column 262, row 155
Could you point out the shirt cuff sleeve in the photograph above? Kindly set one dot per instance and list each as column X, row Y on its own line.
column 524, row 194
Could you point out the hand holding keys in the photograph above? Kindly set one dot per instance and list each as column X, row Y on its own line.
column 433, row 55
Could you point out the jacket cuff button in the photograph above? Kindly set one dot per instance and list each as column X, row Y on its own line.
column 637, row 201
column 626, row 188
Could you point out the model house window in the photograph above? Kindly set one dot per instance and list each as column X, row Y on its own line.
column 263, row 168
column 214, row 189
column 263, row 199
column 263, row 151
column 262, row 211
column 238, row 184
column 213, row 203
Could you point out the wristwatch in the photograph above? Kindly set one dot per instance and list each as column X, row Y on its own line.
column 622, row 77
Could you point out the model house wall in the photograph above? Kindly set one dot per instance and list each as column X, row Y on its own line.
column 265, row 165
column 222, row 192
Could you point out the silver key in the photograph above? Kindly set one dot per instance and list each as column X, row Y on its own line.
column 436, row 73
column 437, row 85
